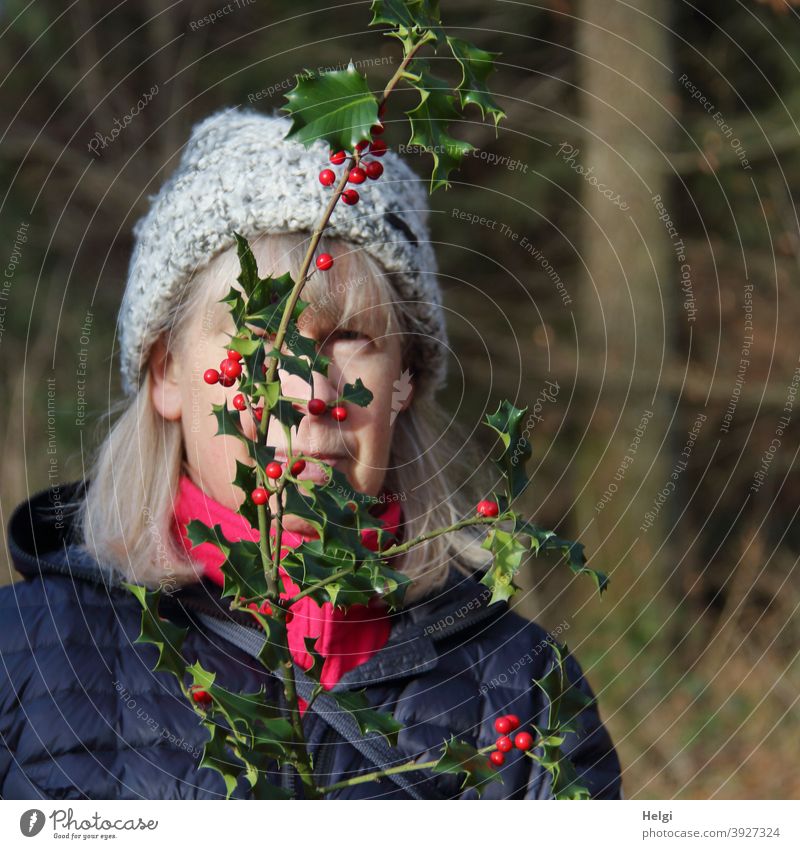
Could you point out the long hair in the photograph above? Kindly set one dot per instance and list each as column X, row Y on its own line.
column 125, row 519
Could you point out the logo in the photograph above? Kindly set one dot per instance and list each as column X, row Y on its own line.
column 402, row 389
column 31, row 822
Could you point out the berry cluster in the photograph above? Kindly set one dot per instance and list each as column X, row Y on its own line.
column 359, row 173
column 230, row 369
column 504, row 725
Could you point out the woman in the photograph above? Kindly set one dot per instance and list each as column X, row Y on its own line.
column 82, row 712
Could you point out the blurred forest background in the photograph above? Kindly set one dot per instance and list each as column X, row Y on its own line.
column 640, row 250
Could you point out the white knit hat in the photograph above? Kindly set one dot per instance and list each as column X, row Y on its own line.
column 238, row 173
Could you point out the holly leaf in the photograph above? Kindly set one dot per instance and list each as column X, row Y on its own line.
column 248, row 274
column 476, row 65
column 164, row 635
column 508, row 552
column 517, row 450
column 317, row 660
column 429, row 123
column 217, row 756
column 547, row 540
column 367, row 718
column 459, row 757
column 356, row 393
column 336, row 106
column 407, row 17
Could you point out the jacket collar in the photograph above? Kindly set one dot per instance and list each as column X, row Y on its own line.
column 41, row 541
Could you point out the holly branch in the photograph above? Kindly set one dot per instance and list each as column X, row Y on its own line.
column 248, row 735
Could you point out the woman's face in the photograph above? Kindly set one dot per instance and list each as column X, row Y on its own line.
column 359, row 446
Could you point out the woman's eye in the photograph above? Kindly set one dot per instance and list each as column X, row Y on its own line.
column 350, row 334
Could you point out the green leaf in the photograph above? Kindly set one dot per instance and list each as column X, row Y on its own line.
column 546, row 540
column 367, row 718
column 251, row 719
column 508, row 552
column 304, row 346
column 228, row 422
column 356, row 393
column 165, row 635
column 217, row 756
column 458, row 757
column 248, row 275
column 418, row 18
column 337, row 107
column 315, row 670
column 429, row 123
column 476, row 65
column 507, row 423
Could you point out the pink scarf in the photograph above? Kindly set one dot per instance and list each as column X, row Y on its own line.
column 346, row 638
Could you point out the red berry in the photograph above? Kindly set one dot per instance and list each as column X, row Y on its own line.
column 239, row 402
column 523, row 741
column 514, row 720
column 324, row 262
column 211, row 376
column 201, row 697
column 497, row 758
column 274, row 470
column 339, row 413
column 327, row 177
column 376, row 129
column 378, row 147
column 362, row 145
column 258, row 412
column 357, row 175
column 298, row 466
column 350, row 197
column 230, row 368
column 316, row 406
column 374, row 170
column 338, row 157
column 504, row 744
column 234, row 355
column 502, row 725
column 259, row 495
column 226, row 381
column 487, row 508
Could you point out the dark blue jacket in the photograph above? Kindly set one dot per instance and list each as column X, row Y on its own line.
column 82, row 714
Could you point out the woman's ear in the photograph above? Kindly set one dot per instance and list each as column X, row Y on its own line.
column 165, row 386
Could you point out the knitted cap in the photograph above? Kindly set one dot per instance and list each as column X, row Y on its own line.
column 238, row 173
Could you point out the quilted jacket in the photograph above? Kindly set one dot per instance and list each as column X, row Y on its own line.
column 83, row 714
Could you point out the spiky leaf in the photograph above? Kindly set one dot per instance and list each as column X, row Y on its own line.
column 459, row 757
column 508, row 552
column 336, row 106
column 476, row 65
column 507, row 423
column 164, row 635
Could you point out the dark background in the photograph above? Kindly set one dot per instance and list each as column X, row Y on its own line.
column 694, row 650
